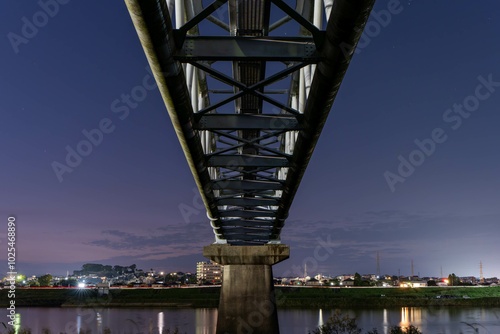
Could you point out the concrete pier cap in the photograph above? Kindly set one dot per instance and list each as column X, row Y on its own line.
column 226, row 254
column 247, row 300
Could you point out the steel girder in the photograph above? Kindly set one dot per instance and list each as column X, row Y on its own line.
column 247, row 150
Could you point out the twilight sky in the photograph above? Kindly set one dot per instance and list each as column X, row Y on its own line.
column 429, row 76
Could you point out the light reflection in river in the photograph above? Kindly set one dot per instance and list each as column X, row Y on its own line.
column 161, row 322
column 320, row 320
column 385, row 322
column 411, row 316
column 99, row 323
column 203, row 321
column 78, row 323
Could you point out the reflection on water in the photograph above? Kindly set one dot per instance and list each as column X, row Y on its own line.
column 320, row 320
column 404, row 317
column 203, row 321
column 17, row 322
column 411, row 316
column 161, row 322
column 206, row 320
column 78, row 323
column 99, row 323
column 428, row 320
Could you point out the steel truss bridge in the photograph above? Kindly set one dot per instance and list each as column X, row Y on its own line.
column 248, row 85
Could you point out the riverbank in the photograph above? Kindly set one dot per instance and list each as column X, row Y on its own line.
column 286, row 297
column 387, row 297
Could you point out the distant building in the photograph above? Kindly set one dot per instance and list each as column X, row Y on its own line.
column 413, row 284
column 313, row 282
column 347, row 282
column 468, row 279
column 102, row 288
column 148, row 280
column 209, row 272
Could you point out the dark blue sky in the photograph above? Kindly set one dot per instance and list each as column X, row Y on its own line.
column 120, row 204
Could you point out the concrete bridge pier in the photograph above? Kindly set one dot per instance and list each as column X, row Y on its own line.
column 247, row 302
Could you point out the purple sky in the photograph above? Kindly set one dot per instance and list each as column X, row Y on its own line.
column 120, row 204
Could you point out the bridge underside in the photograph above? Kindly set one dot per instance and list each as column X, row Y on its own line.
column 248, row 85
column 248, row 97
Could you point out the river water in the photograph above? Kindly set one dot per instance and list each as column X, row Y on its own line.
column 445, row 320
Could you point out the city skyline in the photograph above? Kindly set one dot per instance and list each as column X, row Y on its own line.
column 305, row 273
column 407, row 164
column 290, row 273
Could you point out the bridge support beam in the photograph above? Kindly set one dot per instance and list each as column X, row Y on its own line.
column 247, row 302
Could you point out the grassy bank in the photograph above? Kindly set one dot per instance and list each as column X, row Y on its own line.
column 286, row 297
column 192, row 297
column 386, row 297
